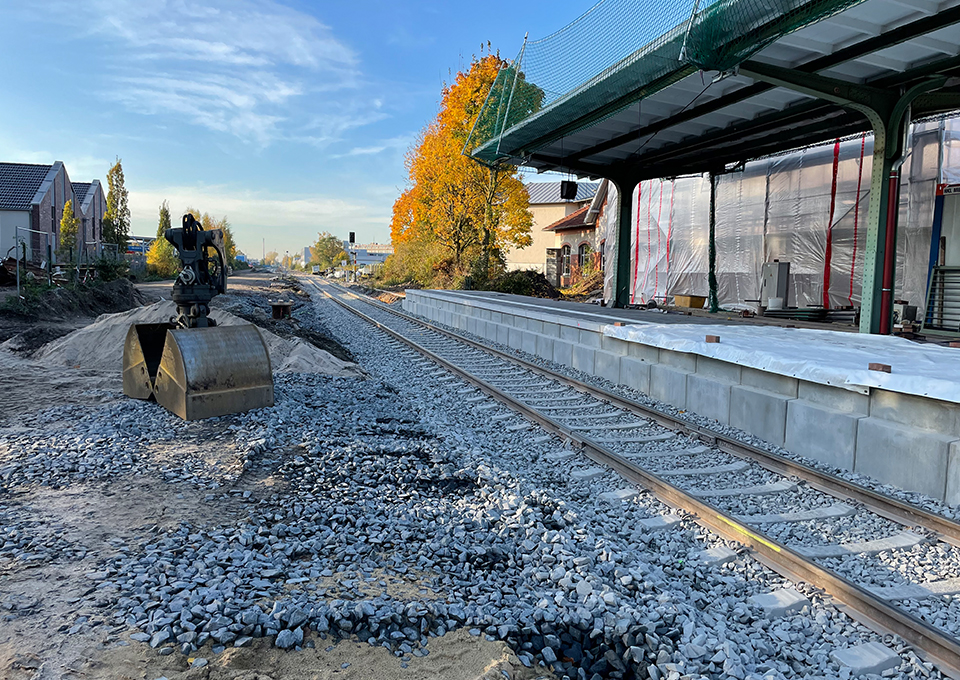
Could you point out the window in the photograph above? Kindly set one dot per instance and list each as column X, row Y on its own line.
column 583, row 254
column 565, row 260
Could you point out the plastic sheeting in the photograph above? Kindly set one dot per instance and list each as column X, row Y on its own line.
column 825, row 357
column 780, row 209
column 609, row 227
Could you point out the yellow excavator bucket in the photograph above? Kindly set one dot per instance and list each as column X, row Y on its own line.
column 198, row 372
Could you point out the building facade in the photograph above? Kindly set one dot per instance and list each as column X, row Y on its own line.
column 546, row 208
column 32, row 198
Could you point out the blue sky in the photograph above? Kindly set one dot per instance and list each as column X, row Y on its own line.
column 288, row 117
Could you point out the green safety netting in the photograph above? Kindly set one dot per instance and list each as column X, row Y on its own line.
column 619, row 52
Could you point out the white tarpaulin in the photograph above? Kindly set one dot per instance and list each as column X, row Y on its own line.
column 807, row 207
column 825, row 357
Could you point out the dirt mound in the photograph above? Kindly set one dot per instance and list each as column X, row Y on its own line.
column 525, row 282
column 83, row 299
column 99, row 346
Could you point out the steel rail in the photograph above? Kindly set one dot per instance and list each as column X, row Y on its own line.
column 873, row 611
column 886, row 506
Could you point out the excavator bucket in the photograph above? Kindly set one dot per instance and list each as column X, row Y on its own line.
column 142, row 351
column 199, row 372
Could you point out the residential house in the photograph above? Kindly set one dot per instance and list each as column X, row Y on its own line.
column 32, row 199
column 546, row 208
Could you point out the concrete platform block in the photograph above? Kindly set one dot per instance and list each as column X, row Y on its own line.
column 679, row 360
column 551, row 329
column 490, row 330
column 570, row 333
column 769, row 382
column 535, row 325
column 589, row 474
column 590, row 338
column 869, row 658
column 836, row 398
column 647, row 353
column 515, row 338
column 708, row 397
column 529, row 343
column 780, row 602
column 563, row 352
column 911, row 458
column 607, row 365
column 668, row 385
column 915, row 411
column 822, row 433
column 614, row 345
column 545, row 347
column 584, row 358
column 720, row 370
column 759, row 412
column 472, row 322
column 635, row 374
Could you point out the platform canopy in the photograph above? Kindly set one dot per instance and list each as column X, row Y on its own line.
column 636, row 90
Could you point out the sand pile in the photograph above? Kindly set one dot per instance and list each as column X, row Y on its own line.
column 99, row 346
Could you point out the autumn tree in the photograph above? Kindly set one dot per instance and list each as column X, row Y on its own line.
column 162, row 258
column 328, row 251
column 116, row 221
column 270, row 257
column 69, row 229
column 467, row 211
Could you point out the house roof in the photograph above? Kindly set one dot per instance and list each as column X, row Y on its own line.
column 549, row 192
column 575, row 220
column 80, row 190
column 19, row 183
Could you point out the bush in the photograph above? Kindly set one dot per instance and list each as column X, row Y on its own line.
column 109, row 269
column 527, row 282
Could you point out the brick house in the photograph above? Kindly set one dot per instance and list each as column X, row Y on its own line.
column 577, row 238
column 32, row 197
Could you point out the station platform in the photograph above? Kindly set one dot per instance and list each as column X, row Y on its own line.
column 809, row 390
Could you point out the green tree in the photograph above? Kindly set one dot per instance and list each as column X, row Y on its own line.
column 116, row 221
column 69, row 228
column 162, row 259
column 327, row 251
column 164, row 220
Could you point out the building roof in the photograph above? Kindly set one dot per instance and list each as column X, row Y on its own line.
column 19, row 183
column 80, row 190
column 575, row 220
column 549, row 192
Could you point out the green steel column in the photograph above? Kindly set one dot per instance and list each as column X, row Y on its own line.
column 712, row 276
column 622, row 272
column 876, row 233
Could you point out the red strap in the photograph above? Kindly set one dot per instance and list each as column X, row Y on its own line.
column 636, row 256
column 833, row 204
column 856, row 219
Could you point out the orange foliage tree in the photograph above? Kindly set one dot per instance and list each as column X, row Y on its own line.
column 457, row 213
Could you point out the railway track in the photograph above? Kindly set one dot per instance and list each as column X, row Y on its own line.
column 761, row 513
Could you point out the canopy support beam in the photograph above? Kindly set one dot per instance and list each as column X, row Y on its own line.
column 888, row 111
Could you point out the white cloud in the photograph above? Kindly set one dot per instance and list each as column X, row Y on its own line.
column 233, row 66
column 286, row 223
column 393, row 144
